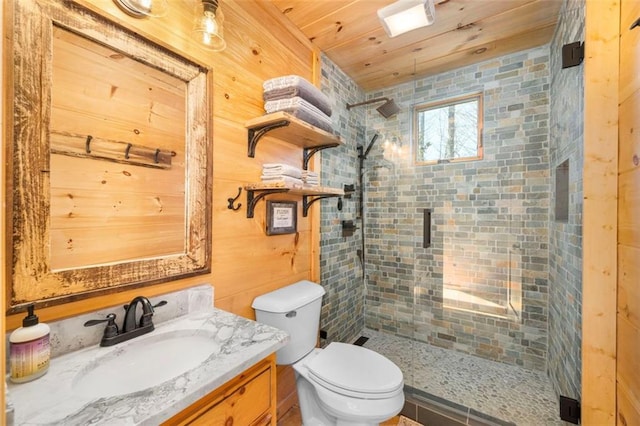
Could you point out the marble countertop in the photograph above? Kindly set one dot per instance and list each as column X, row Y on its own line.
column 52, row 398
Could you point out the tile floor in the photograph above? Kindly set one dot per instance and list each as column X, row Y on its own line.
column 292, row 418
column 505, row 392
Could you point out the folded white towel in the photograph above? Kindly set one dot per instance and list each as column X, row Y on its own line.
column 281, row 169
column 293, row 85
column 310, row 178
column 288, row 180
column 301, row 109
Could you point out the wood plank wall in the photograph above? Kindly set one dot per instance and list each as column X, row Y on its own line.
column 3, row 212
column 599, row 215
column 261, row 44
column 628, row 319
column 110, row 211
column 246, row 262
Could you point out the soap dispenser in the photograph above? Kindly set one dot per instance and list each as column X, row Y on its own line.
column 29, row 349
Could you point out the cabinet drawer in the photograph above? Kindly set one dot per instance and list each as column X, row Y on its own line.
column 245, row 406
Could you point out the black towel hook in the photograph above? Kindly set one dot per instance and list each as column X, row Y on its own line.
column 231, row 201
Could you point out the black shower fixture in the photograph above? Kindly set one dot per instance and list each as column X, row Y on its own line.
column 363, row 155
column 387, row 109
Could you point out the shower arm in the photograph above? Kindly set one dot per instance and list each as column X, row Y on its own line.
column 370, row 101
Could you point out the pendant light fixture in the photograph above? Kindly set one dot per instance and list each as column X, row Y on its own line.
column 208, row 23
column 143, row 8
column 406, row 15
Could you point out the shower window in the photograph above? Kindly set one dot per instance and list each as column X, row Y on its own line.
column 449, row 130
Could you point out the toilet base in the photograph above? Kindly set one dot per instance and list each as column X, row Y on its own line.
column 313, row 415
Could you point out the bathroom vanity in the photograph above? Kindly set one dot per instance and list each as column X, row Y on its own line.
column 203, row 367
column 248, row 399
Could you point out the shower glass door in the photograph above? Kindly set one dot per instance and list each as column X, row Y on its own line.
column 459, row 290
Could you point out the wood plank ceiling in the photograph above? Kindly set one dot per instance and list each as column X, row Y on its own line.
column 464, row 32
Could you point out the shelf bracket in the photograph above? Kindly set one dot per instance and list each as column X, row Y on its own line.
column 255, row 133
column 252, row 198
column 308, row 200
column 310, row 152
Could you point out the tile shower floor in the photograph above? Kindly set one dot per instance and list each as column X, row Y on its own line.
column 509, row 393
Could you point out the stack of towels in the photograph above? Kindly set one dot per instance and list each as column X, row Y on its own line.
column 289, row 175
column 275, row 172
column 298, row 97
column 310, row 178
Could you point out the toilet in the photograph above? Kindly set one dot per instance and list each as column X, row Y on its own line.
column 341, row 384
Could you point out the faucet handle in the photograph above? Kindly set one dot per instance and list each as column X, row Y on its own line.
column 160, row 303
column 145, row 319
column 111, row 329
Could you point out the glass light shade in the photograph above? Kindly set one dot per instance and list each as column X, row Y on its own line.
column 208, row 25
column 143, row 8
column 406, row 15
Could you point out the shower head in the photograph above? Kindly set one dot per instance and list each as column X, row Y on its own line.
column 387, row 109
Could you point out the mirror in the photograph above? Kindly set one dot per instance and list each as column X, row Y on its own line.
column 111, row 158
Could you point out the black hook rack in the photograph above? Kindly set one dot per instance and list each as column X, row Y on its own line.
column 88, row 146
column 232, row 200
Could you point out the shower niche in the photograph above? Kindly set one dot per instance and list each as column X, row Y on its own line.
column 288, row 128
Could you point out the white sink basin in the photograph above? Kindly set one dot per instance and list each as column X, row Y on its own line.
column 137, row 365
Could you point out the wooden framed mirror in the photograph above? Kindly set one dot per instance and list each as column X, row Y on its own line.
column 111, row 174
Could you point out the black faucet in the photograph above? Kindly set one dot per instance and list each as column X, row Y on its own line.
column 129, row 323
column 130, row 328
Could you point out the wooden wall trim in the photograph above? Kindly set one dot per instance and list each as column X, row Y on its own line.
column 3, row 219
column 600, row 212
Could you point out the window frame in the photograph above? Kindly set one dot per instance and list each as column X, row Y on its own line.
column 440, row 104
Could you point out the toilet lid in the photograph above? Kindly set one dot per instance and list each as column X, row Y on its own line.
column 352, row 370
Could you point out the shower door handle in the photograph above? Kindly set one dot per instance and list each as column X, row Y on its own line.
column 426, row 230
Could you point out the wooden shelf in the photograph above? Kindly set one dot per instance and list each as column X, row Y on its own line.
column 257, row 191
column 297, row 190
column 288, row 128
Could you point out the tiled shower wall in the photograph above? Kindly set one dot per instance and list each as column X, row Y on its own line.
column 497, row 208
column 343, row 305
column 488, row 215
column 565, row 238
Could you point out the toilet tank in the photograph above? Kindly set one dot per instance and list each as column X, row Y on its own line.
column 296, row 310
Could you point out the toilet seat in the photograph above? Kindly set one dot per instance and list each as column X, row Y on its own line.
column 355, row 371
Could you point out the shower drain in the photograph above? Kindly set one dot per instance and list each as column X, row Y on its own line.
column 360, row 341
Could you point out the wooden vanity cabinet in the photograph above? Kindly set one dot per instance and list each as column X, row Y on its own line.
column 248, row 399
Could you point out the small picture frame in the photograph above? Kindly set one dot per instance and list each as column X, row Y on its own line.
column 282, row 217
